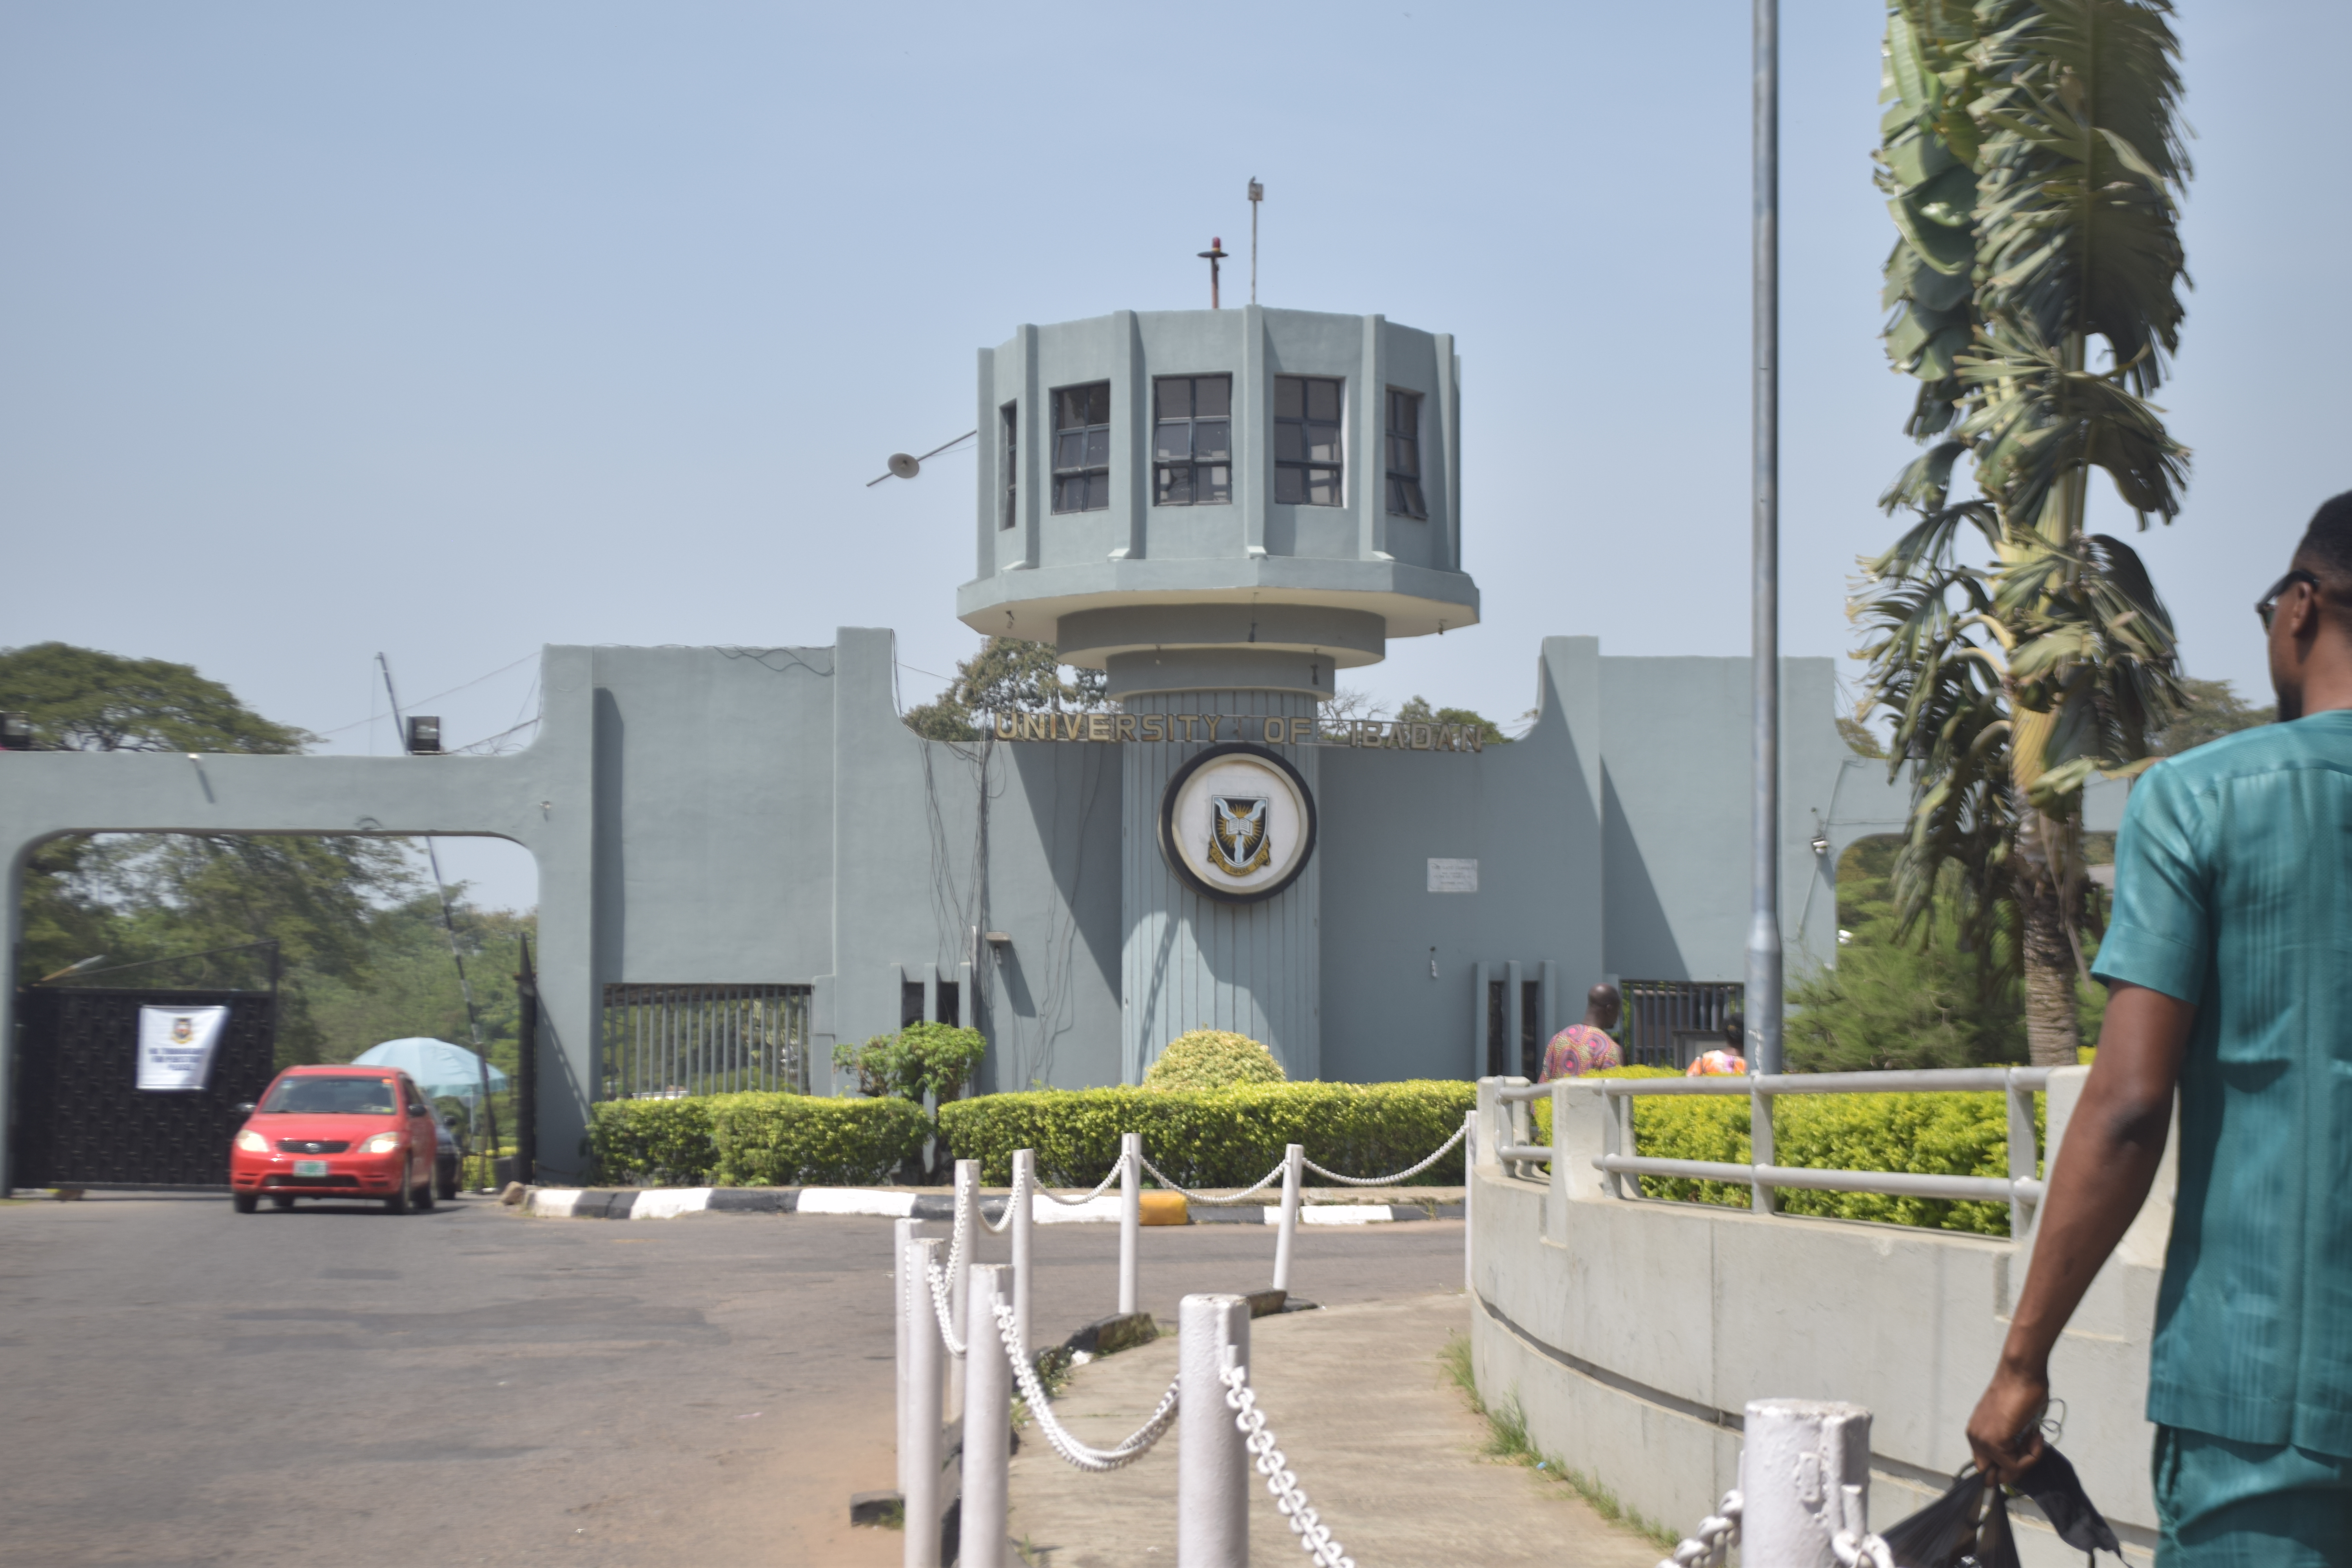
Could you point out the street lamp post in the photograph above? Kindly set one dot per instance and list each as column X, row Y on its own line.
column 1763, row 1001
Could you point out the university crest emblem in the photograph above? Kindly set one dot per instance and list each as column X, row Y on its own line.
column 1237, row 833
column 183, row 1030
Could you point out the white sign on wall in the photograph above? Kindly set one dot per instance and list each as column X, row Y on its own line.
column 1452, row 876
column 176, row 1046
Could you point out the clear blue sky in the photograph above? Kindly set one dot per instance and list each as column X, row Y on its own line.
column 451, row 329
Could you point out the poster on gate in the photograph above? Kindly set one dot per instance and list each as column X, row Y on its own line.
column 176, row 1046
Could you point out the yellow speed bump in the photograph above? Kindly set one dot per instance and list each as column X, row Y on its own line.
column 1165, row 1208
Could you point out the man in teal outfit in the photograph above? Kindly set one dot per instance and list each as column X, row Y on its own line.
column 2228, row 964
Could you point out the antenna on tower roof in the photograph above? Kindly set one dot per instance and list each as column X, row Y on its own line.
column 1257, row 194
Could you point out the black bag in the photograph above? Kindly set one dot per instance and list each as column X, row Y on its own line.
column 1967, row 1527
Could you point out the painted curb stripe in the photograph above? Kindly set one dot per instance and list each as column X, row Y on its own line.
column 858, row 1200
column 668, row 1203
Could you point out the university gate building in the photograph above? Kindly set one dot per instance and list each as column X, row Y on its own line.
column 746, row 856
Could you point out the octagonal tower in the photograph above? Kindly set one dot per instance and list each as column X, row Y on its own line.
column 1222, row 509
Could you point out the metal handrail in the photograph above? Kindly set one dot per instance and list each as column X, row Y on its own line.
column 2021, row 1190
column 1896, row 1183
column 1920, row 1081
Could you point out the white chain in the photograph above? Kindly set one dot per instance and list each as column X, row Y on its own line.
column 1855, row 1546
column 1162, row 1177
column 1101, row 1187
column 1399, row 1176
column 1020, row 1197
column 1125, row 1452
column 1709, row 1545
column 956, row 1347
column 1313, row 1535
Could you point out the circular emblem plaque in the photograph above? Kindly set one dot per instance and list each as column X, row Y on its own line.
column 1237, row 823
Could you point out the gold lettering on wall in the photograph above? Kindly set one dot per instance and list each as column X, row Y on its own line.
column 1127, row 726
column 1155, row 727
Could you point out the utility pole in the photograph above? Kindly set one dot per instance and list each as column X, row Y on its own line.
column 1257, row 196
column 1215, row 254
column 1763, row 1001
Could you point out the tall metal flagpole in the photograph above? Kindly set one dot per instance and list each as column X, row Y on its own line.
column 1763, row 1001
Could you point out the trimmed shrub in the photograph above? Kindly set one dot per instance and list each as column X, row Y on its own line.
column 1214, row 1138
column 753, row 1140
column 1962, row 1134
column 1212, row 1059
column 652, row 1141
column 790, row 1139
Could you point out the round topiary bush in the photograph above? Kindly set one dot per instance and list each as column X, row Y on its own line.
column 1212, row 1059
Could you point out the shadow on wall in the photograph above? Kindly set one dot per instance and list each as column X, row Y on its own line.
column 1640, row 940
column 1072, row 793
column 612, row 858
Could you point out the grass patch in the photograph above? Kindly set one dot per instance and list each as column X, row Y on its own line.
column 1507, row 1441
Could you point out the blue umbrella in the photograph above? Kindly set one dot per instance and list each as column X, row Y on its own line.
column 439, row 1068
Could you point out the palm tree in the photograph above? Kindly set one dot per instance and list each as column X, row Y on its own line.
column 2032, row 150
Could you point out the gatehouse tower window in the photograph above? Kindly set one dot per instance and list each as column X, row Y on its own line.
column 1010, row 416
column 1082, row 447
column 1306, row 461
column 1193, row 441
column 1404, row 455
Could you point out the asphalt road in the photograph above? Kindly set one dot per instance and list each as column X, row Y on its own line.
column 334, row 1387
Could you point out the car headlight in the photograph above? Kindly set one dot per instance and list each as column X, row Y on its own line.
column 382, row 1143
column 252, row 1143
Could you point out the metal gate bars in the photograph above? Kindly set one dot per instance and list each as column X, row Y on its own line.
column 666, row 1042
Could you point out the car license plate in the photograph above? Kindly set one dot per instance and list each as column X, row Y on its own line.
column 309, row 1167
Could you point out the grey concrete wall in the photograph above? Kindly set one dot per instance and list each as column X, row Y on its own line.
column 763, row 816
column 1634, row 1332
column 1528, row 812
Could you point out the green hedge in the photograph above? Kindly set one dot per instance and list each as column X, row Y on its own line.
column 1214, row 1138
column 754, row 1140
column 1926, row 1135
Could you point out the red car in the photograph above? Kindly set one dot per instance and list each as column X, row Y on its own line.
column 335, row 1133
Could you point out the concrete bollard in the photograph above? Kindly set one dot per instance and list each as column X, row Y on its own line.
column 1024, row 1201
column 920, row 1462
column 1292, row 1155
column 967, row 1201
column 1131, row 1217
column 1212, row 1464
column 904, row 1235
column 1469, row 1194
column 1797, row 1458
column 987, row 1428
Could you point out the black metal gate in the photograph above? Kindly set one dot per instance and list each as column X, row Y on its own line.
column 80, row 1119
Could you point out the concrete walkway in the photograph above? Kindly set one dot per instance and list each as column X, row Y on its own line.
column 1382, row 1440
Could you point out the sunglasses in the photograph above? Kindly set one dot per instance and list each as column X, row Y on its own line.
column 2267, row 605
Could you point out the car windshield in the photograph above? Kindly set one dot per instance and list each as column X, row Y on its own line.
column 331, row 1097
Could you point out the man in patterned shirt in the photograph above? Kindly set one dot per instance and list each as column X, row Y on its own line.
column 1586, row 1047
column 2229, row 963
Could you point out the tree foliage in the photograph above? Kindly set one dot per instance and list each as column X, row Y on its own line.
column 2031, row 155
column 1419, row 711
column 1007, row 673
column 2209, row 710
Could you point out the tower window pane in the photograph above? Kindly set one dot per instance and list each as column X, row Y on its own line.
column 1307, row 454
column 1404, row 455
column 1082, row 447
column 1010, row 415
column 1189, row 426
